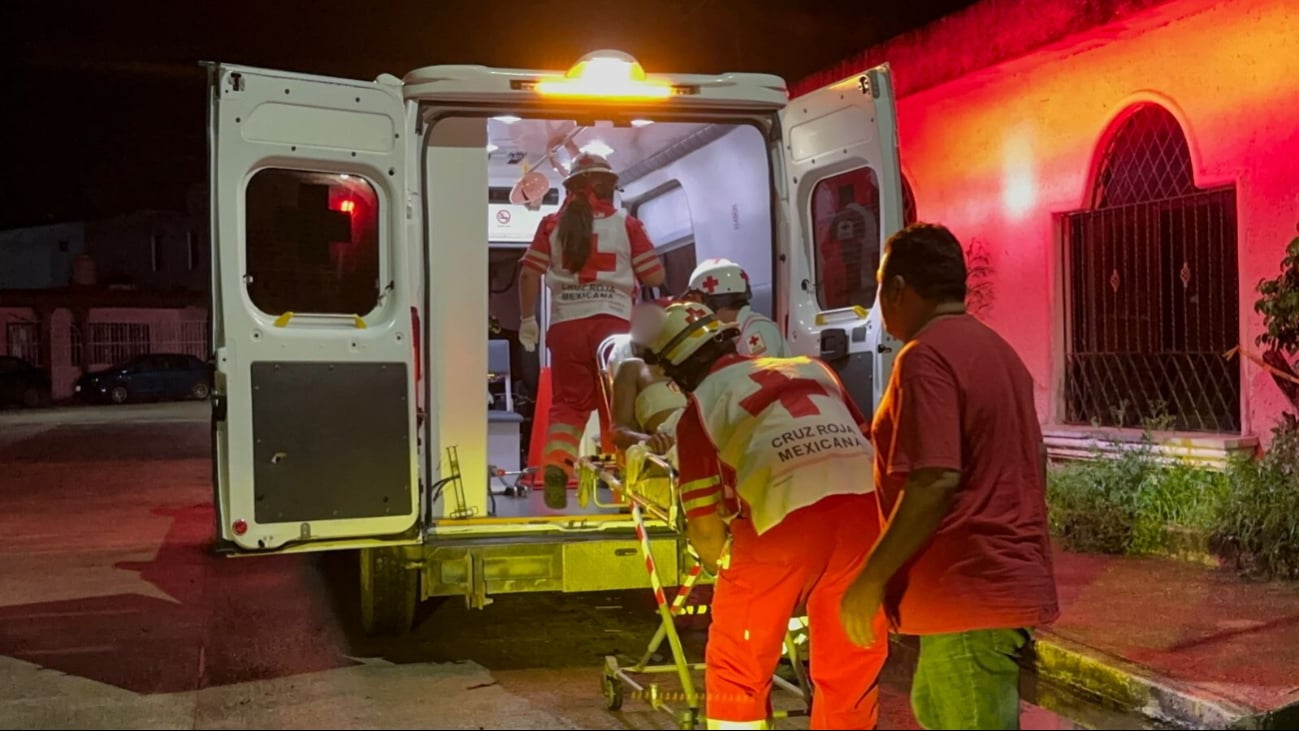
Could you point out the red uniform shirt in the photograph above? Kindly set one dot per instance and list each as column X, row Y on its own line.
column 961, row 399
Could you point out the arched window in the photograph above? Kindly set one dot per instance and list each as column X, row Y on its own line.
column 1152, row 288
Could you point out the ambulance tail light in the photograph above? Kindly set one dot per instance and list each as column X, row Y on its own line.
column 606, row 75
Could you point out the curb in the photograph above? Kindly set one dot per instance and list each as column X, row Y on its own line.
column 1112, row 685
column 1132, row 687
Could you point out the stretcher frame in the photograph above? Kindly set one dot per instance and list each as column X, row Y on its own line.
column 606, row 470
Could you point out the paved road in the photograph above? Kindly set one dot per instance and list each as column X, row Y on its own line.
column 113, row 614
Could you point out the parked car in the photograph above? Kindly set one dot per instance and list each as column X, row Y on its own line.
column 23, row 383
column 157, row 377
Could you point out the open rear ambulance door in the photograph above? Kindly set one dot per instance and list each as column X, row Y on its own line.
column 843, row 190
column 314, row 418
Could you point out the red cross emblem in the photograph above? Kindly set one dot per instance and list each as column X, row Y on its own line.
column 694, row 313
column 710, row 284
column 754, row 341
column 598, row 261
column 795, row 394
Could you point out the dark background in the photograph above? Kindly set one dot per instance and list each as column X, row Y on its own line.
column 103, row 102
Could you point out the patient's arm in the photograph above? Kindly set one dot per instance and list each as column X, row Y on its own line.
column 626, row 386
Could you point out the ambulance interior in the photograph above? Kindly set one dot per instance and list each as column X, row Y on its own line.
column 702, row 190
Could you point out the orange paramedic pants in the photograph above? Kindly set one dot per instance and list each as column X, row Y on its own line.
column 575, row 384
column 811, row 556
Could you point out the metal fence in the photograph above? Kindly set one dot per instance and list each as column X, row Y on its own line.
column 98, row 344
column 104, row 343
column 1152, row 288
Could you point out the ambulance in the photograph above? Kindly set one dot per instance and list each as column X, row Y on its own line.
column 365, row 234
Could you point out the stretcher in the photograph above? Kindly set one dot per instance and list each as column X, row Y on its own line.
column 646, row 484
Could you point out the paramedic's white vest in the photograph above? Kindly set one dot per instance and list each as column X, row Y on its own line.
column 759, row 335
column 607, row 283
column 802, row 445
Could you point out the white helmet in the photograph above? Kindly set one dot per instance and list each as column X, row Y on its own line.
column 589, row 163
column 719, row 276
column 686, row 328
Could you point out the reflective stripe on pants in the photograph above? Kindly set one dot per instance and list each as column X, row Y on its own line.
column 811, row 556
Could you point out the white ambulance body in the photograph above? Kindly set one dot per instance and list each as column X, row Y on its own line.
column 355, row 225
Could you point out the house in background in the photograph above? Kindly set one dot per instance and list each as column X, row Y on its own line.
column 1125, row 173
column 40, row 257
column 81, row 296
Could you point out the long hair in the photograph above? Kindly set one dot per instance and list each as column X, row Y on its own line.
column 577, row 221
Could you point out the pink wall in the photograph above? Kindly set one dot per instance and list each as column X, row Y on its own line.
column 170, row 330
column 999, row 153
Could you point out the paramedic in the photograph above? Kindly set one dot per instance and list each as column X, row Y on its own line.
column 646, row 403
column 724, row 287
column 774, row 473
column 591, row 255
column 965, row 560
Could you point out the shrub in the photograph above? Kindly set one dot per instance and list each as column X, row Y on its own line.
column 1259, row 527
column 1125, row 504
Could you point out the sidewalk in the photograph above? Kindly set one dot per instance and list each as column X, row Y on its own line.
column 1173, row 642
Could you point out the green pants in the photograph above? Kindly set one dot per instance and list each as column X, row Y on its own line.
column 969, row 680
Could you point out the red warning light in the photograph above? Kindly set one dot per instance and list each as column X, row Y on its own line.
column 240, row 527
column 347, row 206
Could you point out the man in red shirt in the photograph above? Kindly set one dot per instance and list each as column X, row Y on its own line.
column 960, row 469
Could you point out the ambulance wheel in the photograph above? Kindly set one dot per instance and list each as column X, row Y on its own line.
column 389, row 592
column 613, row 690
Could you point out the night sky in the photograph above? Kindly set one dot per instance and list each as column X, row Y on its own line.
column 104, row 101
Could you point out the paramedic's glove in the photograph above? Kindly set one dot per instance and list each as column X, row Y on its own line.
column 528, row 333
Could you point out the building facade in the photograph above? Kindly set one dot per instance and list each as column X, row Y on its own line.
column 82, row 296
column 1126, row 173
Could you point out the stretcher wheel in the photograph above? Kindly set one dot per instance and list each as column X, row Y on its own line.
column 613, row 691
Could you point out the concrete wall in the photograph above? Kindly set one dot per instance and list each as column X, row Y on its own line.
column 124, row 250
column 40, row 256
column 148, row 249
column 999, row 153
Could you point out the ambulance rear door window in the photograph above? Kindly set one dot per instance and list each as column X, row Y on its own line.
column 846, row 238
column 312, row 243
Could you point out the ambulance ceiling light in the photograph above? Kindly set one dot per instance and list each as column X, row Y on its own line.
column 608, row 75
column 641, row 122
column 507, row 118
column 597, row 147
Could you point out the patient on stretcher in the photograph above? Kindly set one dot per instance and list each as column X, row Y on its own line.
column 645, row 406
column 645, row 403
